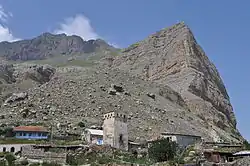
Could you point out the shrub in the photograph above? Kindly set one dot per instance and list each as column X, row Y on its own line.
column 10, row 159
column 35, row 164
column 81, row 124
column 163, row 150
column 51, row 164
column 104, row 160
column 246, row 145
column 2, row 162
column 7, row 132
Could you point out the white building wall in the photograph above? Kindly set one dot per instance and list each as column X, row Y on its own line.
column 182, row 140
column 8, row 147
column 185, row 141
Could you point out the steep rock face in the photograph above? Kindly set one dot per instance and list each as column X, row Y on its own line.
column 49, row 45
column 6, row 73
column 173, row 57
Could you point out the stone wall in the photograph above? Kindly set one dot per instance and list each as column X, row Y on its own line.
column 35, row 153
column 11, row 147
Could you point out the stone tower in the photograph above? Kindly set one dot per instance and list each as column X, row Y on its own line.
column 115, row 130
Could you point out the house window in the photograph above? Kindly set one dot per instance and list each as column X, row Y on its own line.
column 4, row 149
column 39, row 134
column 24, row 134
column 30, row 134
column 44, row 134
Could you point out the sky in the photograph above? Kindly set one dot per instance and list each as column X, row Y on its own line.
column 221, row 27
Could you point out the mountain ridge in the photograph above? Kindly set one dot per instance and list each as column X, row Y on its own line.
column 189, row 94
column 49, row 45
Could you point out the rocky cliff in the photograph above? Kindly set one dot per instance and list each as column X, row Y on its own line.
column 173, row 57
column 164, row 83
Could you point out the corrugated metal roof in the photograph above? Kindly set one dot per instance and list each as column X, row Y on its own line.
column 246, row 152
column 95, row 132
column 30, row 128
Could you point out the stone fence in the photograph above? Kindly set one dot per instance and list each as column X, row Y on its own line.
column 40, row 154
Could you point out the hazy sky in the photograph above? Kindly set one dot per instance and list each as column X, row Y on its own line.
column 221, row 27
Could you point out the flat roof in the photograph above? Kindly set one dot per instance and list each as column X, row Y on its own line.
column 245, row 152
column 179, row 134
column 95, row 131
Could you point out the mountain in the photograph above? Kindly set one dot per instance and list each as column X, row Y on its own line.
column 49, row 45
column 173, row 57
column 164, row 83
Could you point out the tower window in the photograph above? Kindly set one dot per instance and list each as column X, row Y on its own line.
column 121, row 140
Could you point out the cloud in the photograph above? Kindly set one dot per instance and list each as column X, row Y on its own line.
column 78, row 25
column 5, row 32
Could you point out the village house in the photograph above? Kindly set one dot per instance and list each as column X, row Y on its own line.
column 31, row 132
column 183, row 140
column 221, row 152
column 93, row 136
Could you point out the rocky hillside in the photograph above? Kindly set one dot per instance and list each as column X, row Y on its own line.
column 48, row 45
column 164, row 83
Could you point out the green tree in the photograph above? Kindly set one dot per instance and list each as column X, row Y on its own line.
column 246, row 145
column 162, row 150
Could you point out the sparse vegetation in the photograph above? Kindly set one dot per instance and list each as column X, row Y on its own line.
column 51, row 164
column 2, row 163
column 6, row 132
column 246, row 145
column 35, row 164
column 18, row 141
column 163, row 150
column 81, row 124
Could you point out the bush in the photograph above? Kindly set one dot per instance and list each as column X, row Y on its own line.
column 35, row 164
column 51, row 164
column 104, row 160
column 81, row 124
column 7, row 132
column 2, row 162
column 163, row 150
column 71, row 160
column 246, row 145
column 10, row 159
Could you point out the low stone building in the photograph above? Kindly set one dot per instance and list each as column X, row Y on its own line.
column 93, row 136
column 13, row 148
column 183, row 140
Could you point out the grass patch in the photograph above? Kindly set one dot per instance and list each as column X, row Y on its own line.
column 81, row 63
column 21, row 141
